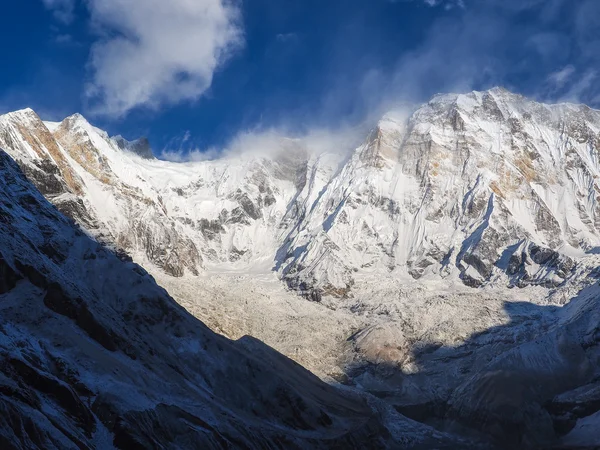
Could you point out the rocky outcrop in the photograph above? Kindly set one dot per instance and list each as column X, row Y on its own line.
column 567, row 408
column 163, row 245
column 140, row 147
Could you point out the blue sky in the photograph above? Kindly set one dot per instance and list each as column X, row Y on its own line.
column 195, row 74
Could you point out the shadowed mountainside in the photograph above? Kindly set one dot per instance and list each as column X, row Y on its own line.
column 532, row 383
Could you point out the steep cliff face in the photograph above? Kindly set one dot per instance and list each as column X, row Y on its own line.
column 93, row 354
column 485, row 187
column 45, row 163
column 70, row 163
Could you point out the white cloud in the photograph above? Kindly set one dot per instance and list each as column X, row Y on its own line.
column 156, row 52
column 62, row 9
column 559, row 78
column 271, row 143
column 581, row 89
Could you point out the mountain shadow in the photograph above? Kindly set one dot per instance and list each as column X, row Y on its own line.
column 522, row 385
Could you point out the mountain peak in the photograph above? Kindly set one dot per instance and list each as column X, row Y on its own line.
column 474, row 97
column 24, row 111
column 77, row 122
column 140, row 147
column 23, row 115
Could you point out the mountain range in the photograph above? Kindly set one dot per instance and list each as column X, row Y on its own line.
column 447, row 265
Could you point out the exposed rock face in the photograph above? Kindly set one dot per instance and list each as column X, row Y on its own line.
column 25, row 135
column 455, row 190
column 164, row 245
column 71, row 168
column 140, row 147
column 93, row 354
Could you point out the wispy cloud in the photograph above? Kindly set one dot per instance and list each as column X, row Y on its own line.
column 286, row 37
column 559, row 79
column 63, row 10
column 553, row 56
column 582, row 88
column 553, row 47
column 268, row 143
column 151, row 53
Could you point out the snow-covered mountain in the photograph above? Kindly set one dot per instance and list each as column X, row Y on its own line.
column 483, row 186
column 486, row 186
column 94, row 354
column 415, row 250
